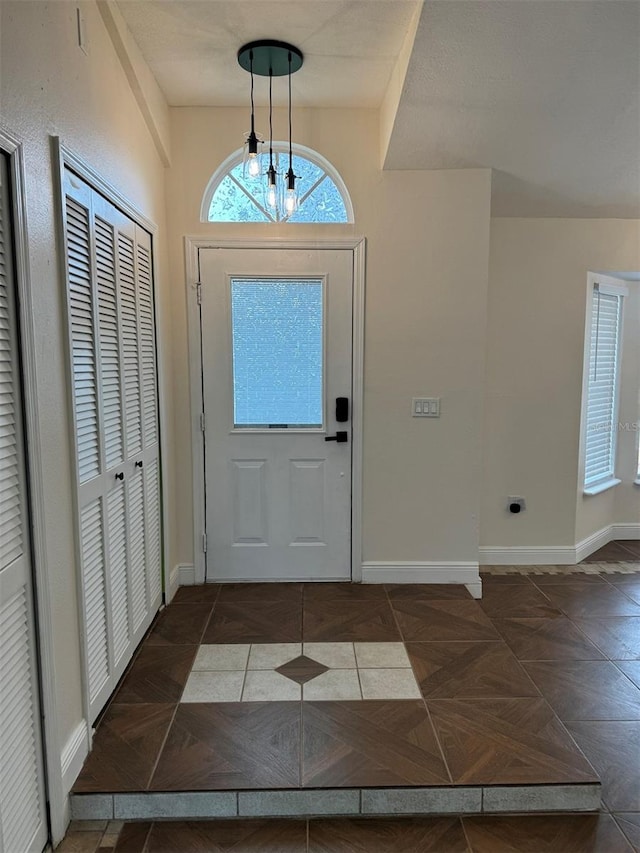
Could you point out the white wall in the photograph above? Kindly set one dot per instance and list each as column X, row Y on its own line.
column 426, row 291
column 537, row 304
column 50, row 87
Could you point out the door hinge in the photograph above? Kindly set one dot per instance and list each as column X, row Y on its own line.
column 199, row 292
column 203, row 421
column 204, row 542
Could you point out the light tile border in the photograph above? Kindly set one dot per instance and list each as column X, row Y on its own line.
column 334, row 685
column 267, row 685
column 91, row 806
column 333, row 655
column 231, row 657
column 626, row 568
column 269, row 656
column 541, row 798
column 300, row 802
column 390, row 655
column 389, row 684
column 384, row 801
column 205, row 685
column 260, row 681
column 333, row 801
column 175, row 805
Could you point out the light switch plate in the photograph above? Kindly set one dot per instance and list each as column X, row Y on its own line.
column 425, row 407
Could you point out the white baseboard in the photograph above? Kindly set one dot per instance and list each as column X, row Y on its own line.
column 183, row 574
column 414, row 572
column 174, row 583
column 73, row 755
column 563, row 555
column 625, row 530
column 528, row 556
column 597, row 540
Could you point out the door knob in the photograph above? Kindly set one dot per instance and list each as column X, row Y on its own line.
column 139, row 463
column 341, row 437
column 120, row 475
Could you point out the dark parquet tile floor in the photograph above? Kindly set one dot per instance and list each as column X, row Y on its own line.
column 598, row 833
column 360, row 744
column 510, row 684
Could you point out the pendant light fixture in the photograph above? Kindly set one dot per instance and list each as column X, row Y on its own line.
column 269, row 58
column 251, row 162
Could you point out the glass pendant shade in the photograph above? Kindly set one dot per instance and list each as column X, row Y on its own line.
column 291, row 193
column 252, row 157
column 271, row 193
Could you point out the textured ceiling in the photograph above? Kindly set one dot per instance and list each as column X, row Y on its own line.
column 544, row 92
column 350, row 48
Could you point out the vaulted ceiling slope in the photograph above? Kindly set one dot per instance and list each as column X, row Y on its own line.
column 544, row 92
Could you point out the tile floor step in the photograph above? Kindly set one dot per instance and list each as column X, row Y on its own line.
column 490, row 799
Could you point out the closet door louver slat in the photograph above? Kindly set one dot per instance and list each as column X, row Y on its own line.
column 116, row 509
column 94, row 584
column 82, row 340
column 130, row 344
column 109, row 344
column 147, row 348
column 21, row 799
column 136, row 539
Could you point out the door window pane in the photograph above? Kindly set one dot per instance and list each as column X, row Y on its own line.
column 277, row 352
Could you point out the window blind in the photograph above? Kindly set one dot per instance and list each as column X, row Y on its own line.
column 603, row 386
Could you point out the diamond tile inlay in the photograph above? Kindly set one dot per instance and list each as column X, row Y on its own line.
column 302, row 669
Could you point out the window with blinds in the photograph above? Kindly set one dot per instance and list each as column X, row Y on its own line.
column 603, row 387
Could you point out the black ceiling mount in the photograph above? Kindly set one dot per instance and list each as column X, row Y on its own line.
column 270, row 57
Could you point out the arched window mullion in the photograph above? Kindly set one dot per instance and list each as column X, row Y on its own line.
column 306, row 196
column 315, row 186
column 252, row 198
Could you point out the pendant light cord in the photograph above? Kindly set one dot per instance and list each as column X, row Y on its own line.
column 252, row 110
column 270, row 118
column 290, row 154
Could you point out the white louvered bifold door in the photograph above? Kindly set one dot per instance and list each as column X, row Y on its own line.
column 23, row 824
column 113, row 364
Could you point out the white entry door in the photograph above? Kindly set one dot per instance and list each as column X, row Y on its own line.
column 276, row 354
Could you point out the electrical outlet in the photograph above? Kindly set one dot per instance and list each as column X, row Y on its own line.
column 513, row 501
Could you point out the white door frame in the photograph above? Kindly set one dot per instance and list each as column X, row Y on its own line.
column 192, row 246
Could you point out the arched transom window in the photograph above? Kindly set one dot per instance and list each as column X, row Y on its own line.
column 233, row 197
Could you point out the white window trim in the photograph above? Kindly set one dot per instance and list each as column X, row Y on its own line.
column 616, row 287
column 602, row 486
